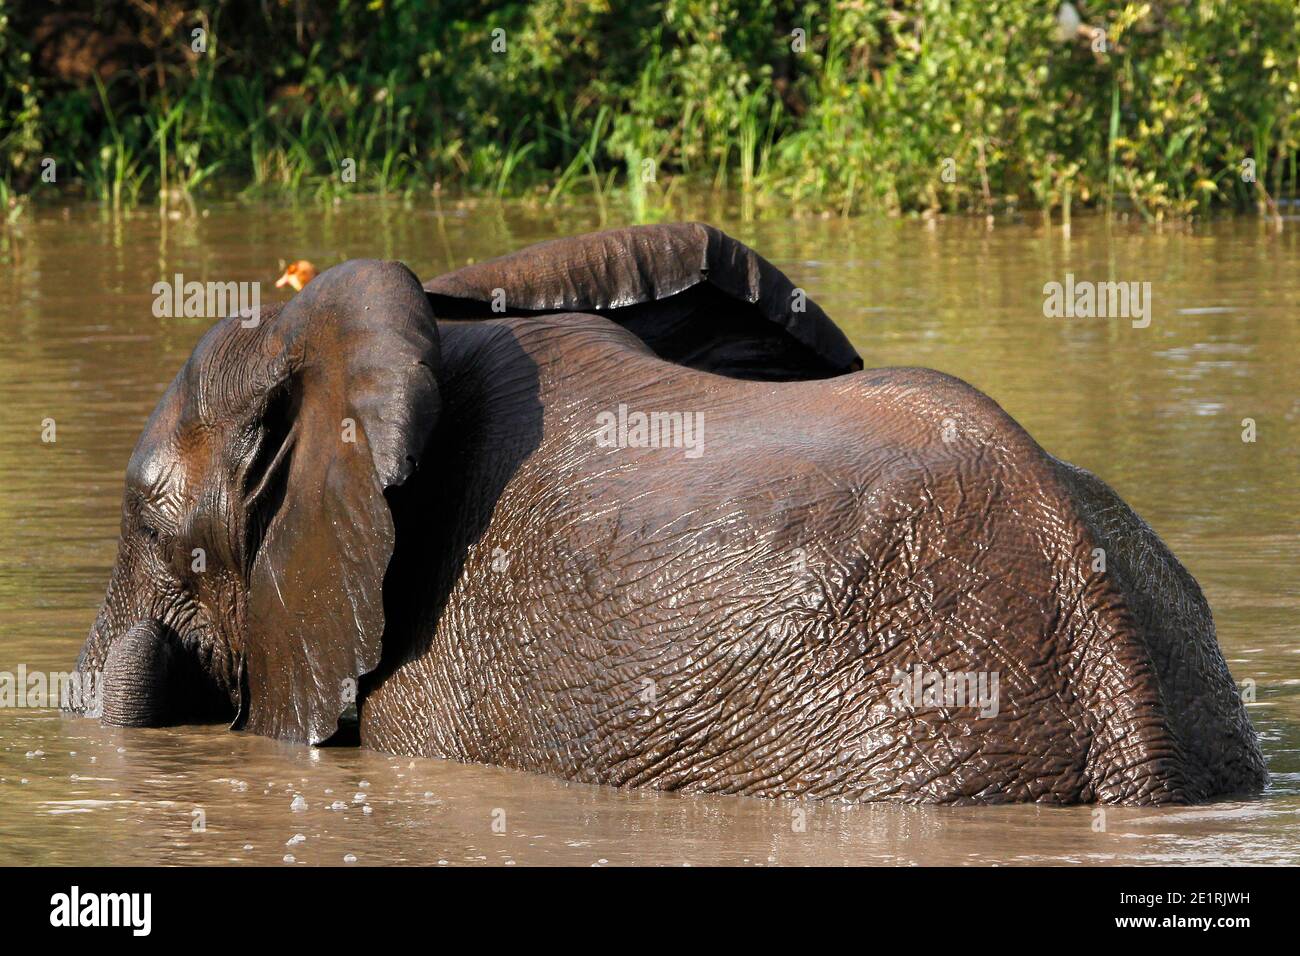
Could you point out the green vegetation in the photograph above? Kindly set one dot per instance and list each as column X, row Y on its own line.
column 931, row 105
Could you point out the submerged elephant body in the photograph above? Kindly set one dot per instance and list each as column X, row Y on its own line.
column 506, row 567
column 736, row 622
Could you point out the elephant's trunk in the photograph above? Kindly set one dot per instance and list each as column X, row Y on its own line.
column 135, row 682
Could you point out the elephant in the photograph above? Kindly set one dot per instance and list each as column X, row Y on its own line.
column 626, row 508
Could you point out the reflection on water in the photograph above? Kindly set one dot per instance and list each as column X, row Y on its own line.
column 1158, row 412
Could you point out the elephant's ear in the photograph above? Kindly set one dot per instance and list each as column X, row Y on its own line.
column 351, row 400
column 694, row 295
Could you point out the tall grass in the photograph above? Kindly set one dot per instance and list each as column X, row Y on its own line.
column 891, row 105
column 115, row 172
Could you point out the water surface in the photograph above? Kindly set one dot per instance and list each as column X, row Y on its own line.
column 1157, row 412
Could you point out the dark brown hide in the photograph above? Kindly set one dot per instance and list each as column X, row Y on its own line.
column 734, row 609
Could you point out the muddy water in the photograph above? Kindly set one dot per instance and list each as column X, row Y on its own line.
column 1157, row 411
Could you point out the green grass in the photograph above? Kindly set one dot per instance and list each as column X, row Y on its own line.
column 625, row 102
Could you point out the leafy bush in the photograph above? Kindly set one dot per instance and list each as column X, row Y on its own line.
column 938, row 105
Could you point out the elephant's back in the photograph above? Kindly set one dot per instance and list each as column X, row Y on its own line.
column 743, row 619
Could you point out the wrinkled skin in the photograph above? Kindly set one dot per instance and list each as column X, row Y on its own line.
column 492, row 584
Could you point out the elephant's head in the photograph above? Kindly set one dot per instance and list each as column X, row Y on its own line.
column 255, row 529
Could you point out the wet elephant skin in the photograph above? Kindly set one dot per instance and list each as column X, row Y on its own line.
column 507, row 589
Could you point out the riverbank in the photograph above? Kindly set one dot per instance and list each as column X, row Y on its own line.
column 1167, row 110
